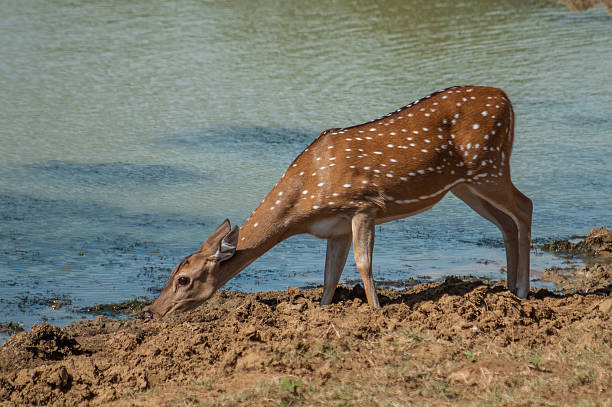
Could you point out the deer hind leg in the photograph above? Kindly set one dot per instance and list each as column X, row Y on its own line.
column 525, row 207
column 363, row 225
column 508, row 199
column 504, row 222
column 335, row 258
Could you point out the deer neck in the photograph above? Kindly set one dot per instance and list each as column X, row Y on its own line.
column 261, row 232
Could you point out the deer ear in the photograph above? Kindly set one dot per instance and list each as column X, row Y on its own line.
column 227, row 245
column 213, row 239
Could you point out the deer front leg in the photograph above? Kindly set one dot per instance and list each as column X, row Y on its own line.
column 363, row 245
column 335, row 258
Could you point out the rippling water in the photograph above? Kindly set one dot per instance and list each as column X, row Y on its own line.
column 131, row 129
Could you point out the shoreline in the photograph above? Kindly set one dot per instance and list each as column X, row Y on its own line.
column 591, row 249
column 457, row 341
column 431, row 342
column 32, row 302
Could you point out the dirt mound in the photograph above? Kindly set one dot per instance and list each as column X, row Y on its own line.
column 50, row 343
column 598, row 243
column 441, row 343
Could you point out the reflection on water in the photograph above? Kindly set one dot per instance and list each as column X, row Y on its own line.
column 131, row 129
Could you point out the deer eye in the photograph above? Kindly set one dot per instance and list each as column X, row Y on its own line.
column 182, row 281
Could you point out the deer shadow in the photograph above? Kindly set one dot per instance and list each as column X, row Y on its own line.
column 453, row 286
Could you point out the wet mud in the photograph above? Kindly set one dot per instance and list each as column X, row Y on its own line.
column 239, row 343
column 596, row 245
column 455, row 342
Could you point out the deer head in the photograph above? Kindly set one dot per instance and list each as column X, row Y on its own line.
column 196, row 278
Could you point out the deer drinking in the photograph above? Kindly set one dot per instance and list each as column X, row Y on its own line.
column 351, row 179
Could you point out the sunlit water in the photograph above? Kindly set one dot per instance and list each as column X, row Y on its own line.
column 129, row 130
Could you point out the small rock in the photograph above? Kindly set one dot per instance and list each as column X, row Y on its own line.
column 288, row 308
column 605, row 306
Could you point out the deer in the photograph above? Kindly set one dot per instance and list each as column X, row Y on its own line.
column 351, row 179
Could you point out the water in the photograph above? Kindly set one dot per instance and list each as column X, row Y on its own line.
column 130, row 130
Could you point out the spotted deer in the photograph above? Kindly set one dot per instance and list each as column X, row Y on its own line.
column 351, row 179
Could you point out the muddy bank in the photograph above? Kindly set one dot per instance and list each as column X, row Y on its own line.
column 457, row 342
column 595, row 249
column 586, row 279
column 436, row 343
column 597, row 245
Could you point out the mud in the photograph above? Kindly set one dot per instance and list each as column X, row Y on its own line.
column 598, row 244
column 589, row 278
column 238, row 341
column 596, row 250
column 457, row 342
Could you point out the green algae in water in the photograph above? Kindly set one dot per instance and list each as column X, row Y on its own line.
column 11, row 327
column 129, row 308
